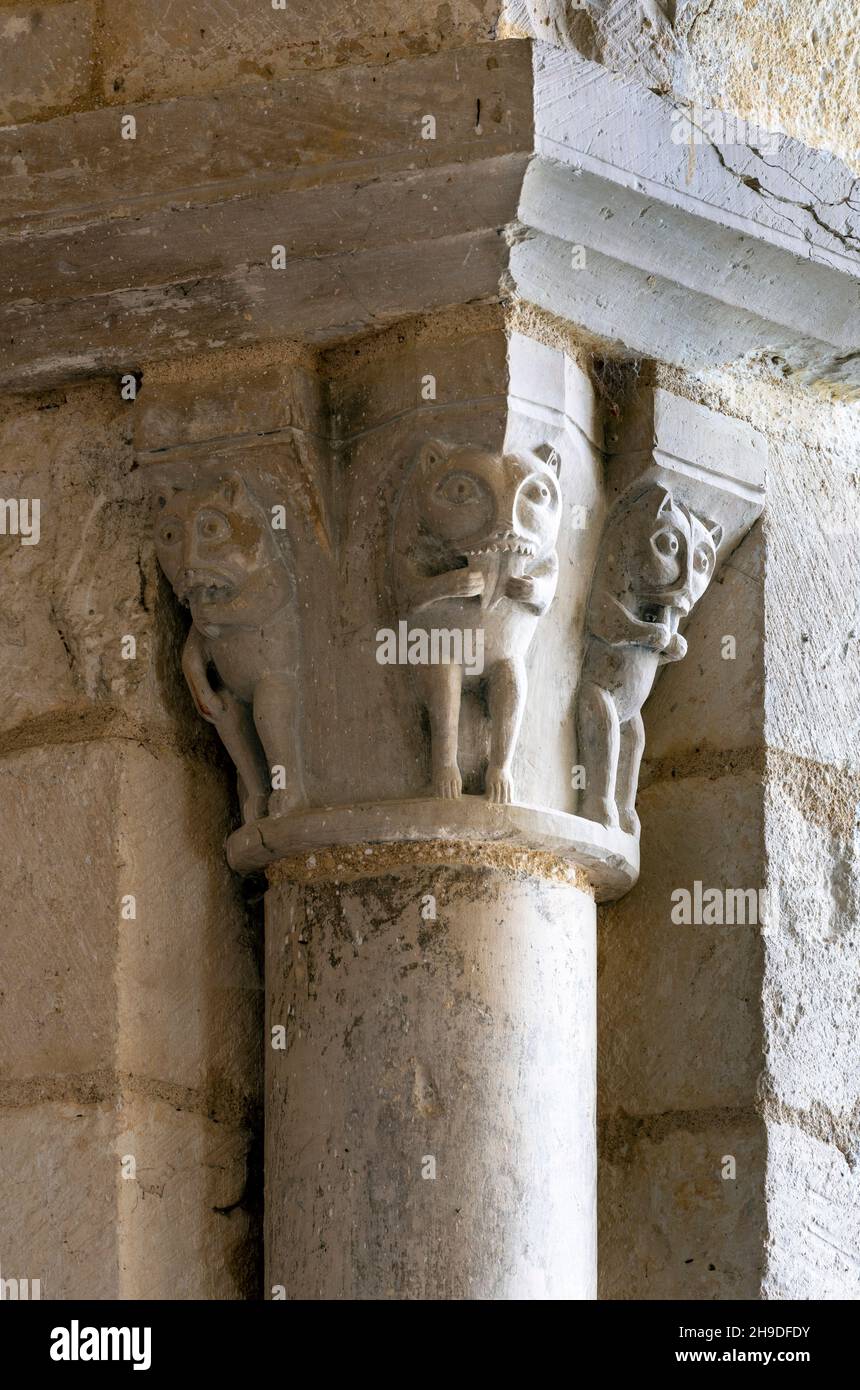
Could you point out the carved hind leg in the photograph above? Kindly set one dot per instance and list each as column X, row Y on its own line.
column 441, row 688
column 276, row 718
column 236, row 730
column 508, row 687
column 599, row 746
column 632, row 748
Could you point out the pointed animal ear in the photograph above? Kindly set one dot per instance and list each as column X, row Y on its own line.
column 716, row 531
column 433, row 451
column 667, row 503
column 549, row 455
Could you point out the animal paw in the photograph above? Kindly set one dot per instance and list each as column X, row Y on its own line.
column 675, row 649
column 629, row 821
column 602, row 810
column 521, row 588
column 447, row 782
column 499, row 785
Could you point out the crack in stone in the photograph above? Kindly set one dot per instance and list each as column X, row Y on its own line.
column 849, row 240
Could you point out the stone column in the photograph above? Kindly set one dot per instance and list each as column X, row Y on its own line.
column 431, row 1122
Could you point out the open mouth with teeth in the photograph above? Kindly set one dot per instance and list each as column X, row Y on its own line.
column 507, row 544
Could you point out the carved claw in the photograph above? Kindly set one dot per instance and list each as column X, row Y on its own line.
column 499, row 785
column 448, row 783
column 629, row 821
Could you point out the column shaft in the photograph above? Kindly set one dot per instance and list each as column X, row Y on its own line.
column 430, row 1120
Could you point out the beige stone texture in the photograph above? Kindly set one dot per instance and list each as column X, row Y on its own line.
column 173, row 994
column 648, row 964
column 168, row 237
column 125, row 1036
column 179, row 1226
column 190, row 998
column 46, row 58
column 187, row 1225
column 813, row 1206
column 61, row 916
column 162, row 47
column 780, row 721
column 89, row 582
column 813, row 651
column 110, row 1026
column 672, row 1227
column 59, row 1178
column 708, row 710
column 783, row 64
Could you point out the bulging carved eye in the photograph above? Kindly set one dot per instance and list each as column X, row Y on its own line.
column 666, row 543
column 460, row 489
column 538, row 493
column 213, row 526
column 169, row 533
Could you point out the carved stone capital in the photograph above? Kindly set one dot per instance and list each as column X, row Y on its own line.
column 439, row 625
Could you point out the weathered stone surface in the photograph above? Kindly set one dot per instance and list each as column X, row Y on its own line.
column 769, row 64
column 812, row 661
column 705, row 295
column 189, row 243
column 189, row 994
column 713, row 164
column 813, row 1206
column 466, row 1040
column 171, row 994
column 91, row 581
column 186, row 1220
column 442, row 831
column 670, row 1225
column 168, row 239
column 175, row 1227
column 67, row 905
column 318, row 300
column 648, row 962
column 383, row 375
column 46, row 58
column 256, row 393
column 59, row 1180
column 163, row 47
column 345, row 125
column 788, row 68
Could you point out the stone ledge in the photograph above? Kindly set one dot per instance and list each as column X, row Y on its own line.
column 609, row 859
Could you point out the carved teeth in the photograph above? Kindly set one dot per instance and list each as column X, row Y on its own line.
column 508, row 547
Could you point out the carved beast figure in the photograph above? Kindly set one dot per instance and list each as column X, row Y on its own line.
column 241, row 659
column 656, row 560
column 474, row 548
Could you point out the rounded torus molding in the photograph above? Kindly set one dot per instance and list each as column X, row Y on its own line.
column 430, row 1089
column 437, row 830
